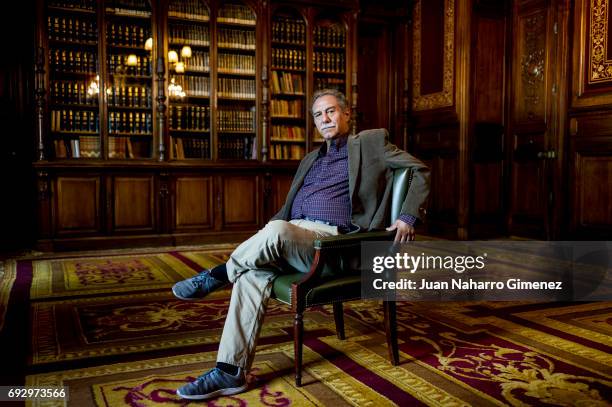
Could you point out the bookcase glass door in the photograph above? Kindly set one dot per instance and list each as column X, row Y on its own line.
column 74, row 81
column 329, row 57
column 189, row 80
column 288, row 85
column 129, row 80
column 236, row 81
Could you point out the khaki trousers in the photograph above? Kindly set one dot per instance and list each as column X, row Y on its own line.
column 251, row 267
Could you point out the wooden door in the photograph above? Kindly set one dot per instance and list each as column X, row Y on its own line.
column 535, row 131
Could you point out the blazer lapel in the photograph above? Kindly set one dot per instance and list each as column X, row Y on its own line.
column 354, row 158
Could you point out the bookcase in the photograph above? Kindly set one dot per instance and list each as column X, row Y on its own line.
column 177, row 121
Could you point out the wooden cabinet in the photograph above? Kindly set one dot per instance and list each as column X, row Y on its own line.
column 193, row 203
column 133, row 203
column 77, row 205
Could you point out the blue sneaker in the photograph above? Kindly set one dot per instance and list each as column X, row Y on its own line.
column 196, row 288
column 214, row 383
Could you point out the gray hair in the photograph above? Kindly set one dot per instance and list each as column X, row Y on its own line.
column 330, row 92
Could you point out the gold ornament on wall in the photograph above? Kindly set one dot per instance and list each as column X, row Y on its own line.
column 601, row 67
column 443, row 98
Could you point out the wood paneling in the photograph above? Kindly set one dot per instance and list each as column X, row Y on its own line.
column 77, row 205
column 133, row 203
column 241, row 201
column 193, row 202
column 594, row 191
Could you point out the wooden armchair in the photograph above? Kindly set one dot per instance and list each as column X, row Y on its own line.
column 335, row 277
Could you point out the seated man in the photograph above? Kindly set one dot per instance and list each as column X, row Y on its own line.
column 343, row 187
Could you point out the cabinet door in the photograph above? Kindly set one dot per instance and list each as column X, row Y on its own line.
column 133, row 203
column 241, row 196
column 77, row 205
column 193, row 203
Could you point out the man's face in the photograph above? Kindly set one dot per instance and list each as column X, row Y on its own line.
column 329, row 118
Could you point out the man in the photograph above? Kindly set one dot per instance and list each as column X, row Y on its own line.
column 341, row 188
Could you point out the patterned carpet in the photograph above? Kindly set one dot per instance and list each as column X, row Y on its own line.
column 108, row 327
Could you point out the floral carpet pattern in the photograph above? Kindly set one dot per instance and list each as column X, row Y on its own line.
column 125, row 341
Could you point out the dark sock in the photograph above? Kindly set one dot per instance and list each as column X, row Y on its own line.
column 220, row 273
column 227, row 368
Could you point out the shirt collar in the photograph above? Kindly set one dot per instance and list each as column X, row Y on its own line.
column 338, row 142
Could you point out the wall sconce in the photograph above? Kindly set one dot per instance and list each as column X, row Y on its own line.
column 175, row 90
column 172, row 57
column 186, row 51
column 94, row 86
column 132, row 60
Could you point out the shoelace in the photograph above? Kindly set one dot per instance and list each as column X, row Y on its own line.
column 199, row 278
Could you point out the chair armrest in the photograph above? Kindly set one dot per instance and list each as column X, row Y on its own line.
column 352, row 239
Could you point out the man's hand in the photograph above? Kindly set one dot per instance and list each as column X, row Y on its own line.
column 404, row 233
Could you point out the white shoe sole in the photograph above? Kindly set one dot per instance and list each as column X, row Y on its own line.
column 186, row 298
column 217, row 393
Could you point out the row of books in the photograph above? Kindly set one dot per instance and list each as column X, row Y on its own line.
column 286, row 152
column 131, row 35
column 287, row 83
column 330, row 83
column 191, row 148
column 71, row 92
column 88, row 5
column 199, row 62
column 289, row 31
column 84, row 146
column 240, row 39
column 189, row 9
column 74, row 120
column 189, row 34
column 130, row 122
column 237, row 148
column 197, row 86
column 288, row 108
column 240, row 64
column 118, row 64
column 193, row 118
column 236, row 120
column 288, row 58
column 129, row 96
column 72, row 29
column 329, row 62
column 237, row 14
column 62, row 60
column 332, row 36
column 288, row 133
column 237, row 88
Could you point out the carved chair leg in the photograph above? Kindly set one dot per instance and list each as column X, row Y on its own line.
column 391, row 331
column 339, row 319
column 298, row 338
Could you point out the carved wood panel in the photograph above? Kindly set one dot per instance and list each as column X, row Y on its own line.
column 592, row 59
column 193, row 202
column 433, row 54
column 593, row 198
column 77, row 204
column 530, row 71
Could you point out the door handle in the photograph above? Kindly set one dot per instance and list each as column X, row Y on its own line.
column 547, row 155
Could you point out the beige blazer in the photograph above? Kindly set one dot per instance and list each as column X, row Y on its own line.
column 371, row 159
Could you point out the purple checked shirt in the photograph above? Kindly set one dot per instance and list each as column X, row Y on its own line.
column 324, row 195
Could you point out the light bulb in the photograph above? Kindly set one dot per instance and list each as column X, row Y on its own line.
column 149, row 44
column 132, row 60
column 186, row 51
column 172, row 56
column 180, row 67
